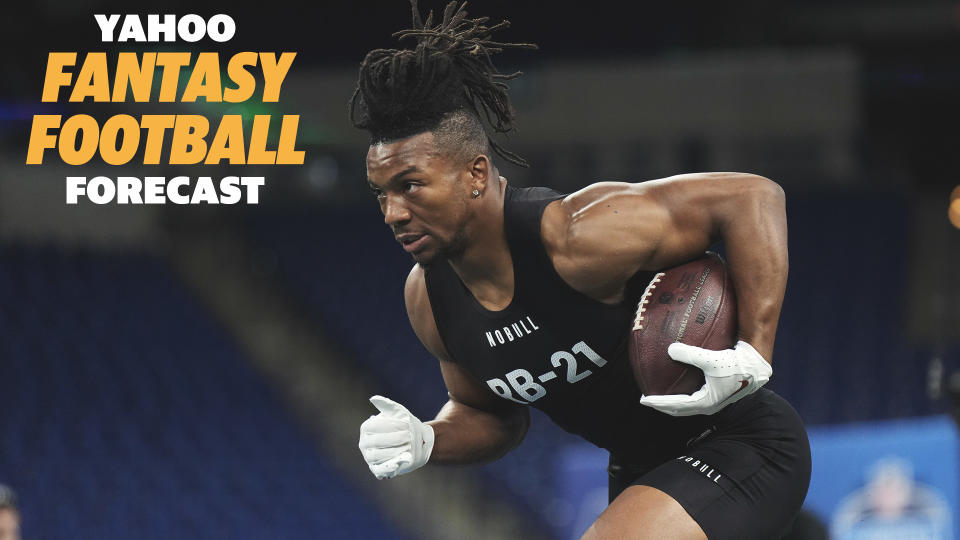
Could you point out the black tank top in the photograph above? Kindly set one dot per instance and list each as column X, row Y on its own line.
column 553, row 347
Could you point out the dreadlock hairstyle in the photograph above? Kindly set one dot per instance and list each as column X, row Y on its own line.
column 448, row 76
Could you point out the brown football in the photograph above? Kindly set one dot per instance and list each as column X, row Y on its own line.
column 692, row 303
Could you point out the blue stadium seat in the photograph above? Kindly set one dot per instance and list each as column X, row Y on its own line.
column 128, row 413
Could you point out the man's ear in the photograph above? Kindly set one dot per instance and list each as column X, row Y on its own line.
column 481, row 171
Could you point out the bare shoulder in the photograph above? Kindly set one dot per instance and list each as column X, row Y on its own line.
column 594, row 199
column 420, row 313
column 600, row 236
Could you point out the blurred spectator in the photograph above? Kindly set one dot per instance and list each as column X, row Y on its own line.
column 9, row 515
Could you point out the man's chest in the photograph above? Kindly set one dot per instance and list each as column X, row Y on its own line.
column 529, row 356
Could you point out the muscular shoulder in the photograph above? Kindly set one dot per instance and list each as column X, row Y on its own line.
column 421, row 313
column 603, row 234
column 598, row 237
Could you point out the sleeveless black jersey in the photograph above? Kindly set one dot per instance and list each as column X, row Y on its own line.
column 553, row 347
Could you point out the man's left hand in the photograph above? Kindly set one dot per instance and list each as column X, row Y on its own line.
column 730, row 375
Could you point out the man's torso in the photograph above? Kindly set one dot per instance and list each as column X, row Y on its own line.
column 553, row 347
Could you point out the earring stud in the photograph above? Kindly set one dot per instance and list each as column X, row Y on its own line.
column 476, row 193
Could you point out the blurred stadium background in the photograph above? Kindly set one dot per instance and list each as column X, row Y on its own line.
column 201, row 372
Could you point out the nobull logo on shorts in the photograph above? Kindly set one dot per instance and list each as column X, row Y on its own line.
column 702, row 467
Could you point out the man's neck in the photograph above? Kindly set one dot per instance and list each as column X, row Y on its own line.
column 486, row 267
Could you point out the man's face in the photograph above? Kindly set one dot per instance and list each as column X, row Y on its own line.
column 9, row 524
column 423, row 195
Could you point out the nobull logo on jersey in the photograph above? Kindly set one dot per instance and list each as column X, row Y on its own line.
column 515, row 331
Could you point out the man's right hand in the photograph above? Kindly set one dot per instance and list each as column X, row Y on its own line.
column 394, row 442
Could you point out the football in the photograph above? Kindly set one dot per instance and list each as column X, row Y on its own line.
column 692, row 303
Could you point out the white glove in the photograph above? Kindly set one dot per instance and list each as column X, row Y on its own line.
column 394, row 442
column 731, row 375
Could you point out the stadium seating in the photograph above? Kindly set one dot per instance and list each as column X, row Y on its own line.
column 841, row 353
column 128, row 413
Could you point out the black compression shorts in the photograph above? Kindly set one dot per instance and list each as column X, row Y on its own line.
column 743, row 478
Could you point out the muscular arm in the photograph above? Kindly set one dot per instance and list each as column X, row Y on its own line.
column 600, row 236
column 473, row 426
